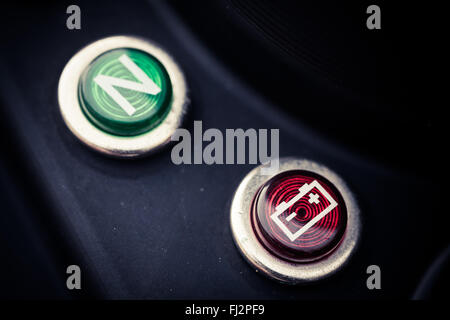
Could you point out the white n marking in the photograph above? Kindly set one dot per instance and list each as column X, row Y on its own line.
column 108, row 83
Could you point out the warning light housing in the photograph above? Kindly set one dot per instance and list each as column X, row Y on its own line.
column 299, row 216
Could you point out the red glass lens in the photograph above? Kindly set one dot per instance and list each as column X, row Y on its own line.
column 299, row 216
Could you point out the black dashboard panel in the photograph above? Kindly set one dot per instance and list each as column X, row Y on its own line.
column 149, row 229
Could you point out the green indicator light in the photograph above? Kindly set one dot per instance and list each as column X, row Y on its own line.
column 125, row 92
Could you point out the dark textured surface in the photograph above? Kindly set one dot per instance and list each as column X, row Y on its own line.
column 319, row 63
column 149, row 229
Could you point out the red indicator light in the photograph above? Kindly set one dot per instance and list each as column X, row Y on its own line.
column 299, row 216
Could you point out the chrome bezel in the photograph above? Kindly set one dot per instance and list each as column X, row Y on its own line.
column 88, row 133
column 272, row 266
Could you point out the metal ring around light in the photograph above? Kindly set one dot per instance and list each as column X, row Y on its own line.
column 259, row 257
column 88, row 133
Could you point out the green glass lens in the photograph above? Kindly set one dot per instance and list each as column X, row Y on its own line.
column 125, row 92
